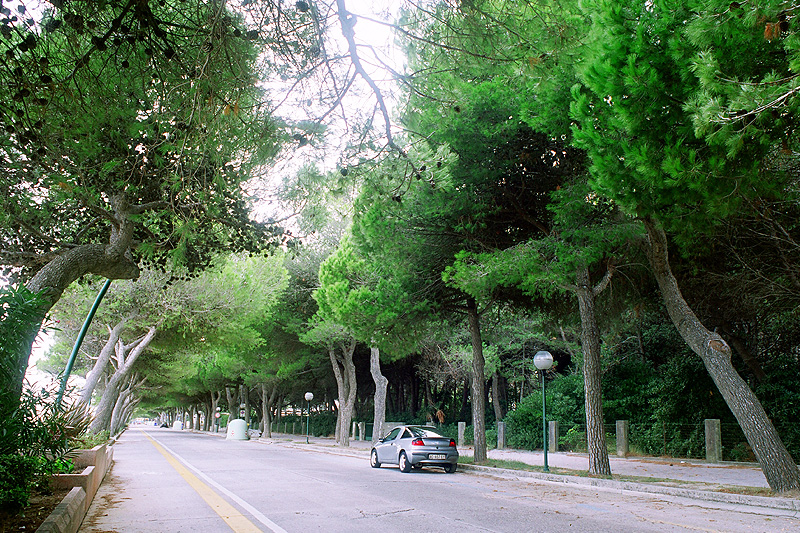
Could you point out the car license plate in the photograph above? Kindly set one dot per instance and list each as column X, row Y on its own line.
column 437, row 456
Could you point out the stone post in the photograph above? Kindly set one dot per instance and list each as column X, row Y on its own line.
column 623, row 428
column 294, row 425
column 713, row 440
column 362, row 431
column 552, row 435
column 501, row 435
column 462, row 428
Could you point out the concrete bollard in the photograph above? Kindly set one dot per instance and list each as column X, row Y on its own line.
column 362, row 427
column 623, row 427
column 713, row 440
column 552, row 435
column 462, row 428
column 501, row 435
column 353, row 432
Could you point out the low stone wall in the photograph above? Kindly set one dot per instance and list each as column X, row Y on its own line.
column 68, row 515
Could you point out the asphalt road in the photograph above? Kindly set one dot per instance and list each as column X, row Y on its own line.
column 171, row 481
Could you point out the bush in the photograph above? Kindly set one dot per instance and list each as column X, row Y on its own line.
column 36, row 442
column 564, row 403
column 16, row 479
column 88, row 441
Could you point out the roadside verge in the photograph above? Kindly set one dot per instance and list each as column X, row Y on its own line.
column 565, row 477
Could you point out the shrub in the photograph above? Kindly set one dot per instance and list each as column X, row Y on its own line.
column 564, row 403
column 36, row 441
column 16, row 479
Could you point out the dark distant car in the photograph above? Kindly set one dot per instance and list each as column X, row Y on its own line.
column 414, row 447
column 164, row 425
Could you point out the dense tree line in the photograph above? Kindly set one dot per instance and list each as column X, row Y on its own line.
column 613, row 181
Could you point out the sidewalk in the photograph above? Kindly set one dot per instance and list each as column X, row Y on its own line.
column 727, row 482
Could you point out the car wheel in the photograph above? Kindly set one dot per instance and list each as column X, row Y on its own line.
column 373, row 459
column 405, row 466
column 450, row 468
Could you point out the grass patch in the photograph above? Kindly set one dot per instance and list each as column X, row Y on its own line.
column 525, row 467
column 516, row 465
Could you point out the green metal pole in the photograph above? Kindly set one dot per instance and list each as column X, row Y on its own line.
column 544, row 423
column 79, row 341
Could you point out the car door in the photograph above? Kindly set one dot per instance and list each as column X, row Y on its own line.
column 387, row 447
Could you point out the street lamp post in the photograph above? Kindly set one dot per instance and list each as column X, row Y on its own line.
column 309, row 396
column 543, row 361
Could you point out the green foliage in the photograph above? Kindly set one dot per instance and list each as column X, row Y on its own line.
column 564, row 403
column 166, row 116
column 20, row 313
column 16, row 479
column 36, row 441
column 780, row 396
column 746, row 53
column 88, row 441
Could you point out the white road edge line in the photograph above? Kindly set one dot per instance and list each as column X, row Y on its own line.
column 258, row 515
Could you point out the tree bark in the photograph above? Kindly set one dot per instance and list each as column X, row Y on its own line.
column 104, row 409
column 381, row 386
column 777, row 464
column 93, row 376
column 592, row 375
column 122, row 407
column 478, row 381
column 345, row 373
column 233, row 405
column 112, row 260
column 267, row 402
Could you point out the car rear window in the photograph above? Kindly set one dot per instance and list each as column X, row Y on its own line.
column 424, row 432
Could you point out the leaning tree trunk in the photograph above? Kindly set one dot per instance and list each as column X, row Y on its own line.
column 93, row 376
column 122, row 408
column 104, row 409
column 130, row 406
column 592, row 375
column 776, row 462
column 116, row 413
column 478, row 381
column 381, row 386
column 110, row 260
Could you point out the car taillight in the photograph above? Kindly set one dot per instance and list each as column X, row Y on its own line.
column 452, row 443
column 417, row 442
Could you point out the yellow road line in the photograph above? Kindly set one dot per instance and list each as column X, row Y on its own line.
column 236, row 520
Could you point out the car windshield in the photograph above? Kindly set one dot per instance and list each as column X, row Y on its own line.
column 423, row 432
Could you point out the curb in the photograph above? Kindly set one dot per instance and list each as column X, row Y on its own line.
column 784, row 504
column 68, row 515
column 767, row 502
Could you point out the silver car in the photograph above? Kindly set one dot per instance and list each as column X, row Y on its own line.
column 414, row 447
